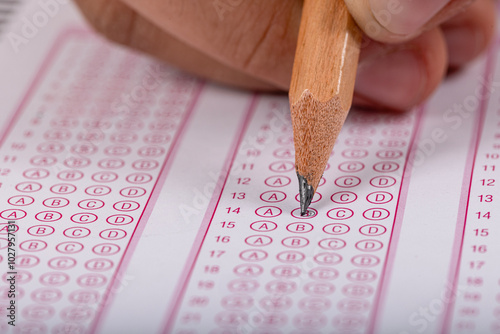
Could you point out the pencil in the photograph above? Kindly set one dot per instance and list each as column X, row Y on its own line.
column 322, row 87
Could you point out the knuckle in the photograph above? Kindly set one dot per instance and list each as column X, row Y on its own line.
column 111, row 18
column 266, row 44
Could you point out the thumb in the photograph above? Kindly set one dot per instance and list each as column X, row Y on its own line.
column 394, row 21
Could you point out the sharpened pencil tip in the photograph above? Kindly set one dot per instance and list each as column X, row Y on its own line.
column 306, row 194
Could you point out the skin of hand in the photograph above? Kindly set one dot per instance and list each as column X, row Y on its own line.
column 408, row 46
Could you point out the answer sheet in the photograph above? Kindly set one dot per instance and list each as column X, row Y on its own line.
column 139, row 199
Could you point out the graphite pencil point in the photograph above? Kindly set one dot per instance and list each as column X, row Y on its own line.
column 306, row 194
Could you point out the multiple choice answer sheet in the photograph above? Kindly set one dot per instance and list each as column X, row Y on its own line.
column 136, row 198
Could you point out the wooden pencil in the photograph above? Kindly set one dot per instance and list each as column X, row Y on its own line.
column 322, row 87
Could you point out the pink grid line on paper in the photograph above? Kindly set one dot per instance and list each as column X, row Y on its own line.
column 398, row 222
column 38, row 77
column 143, row 219
column 454, row 271
column 207, row 220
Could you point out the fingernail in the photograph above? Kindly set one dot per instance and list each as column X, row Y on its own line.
column 405, row 17
column 464, row 43
column 396, row 80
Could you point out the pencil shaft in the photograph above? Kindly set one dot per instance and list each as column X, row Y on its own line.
column 327, row 52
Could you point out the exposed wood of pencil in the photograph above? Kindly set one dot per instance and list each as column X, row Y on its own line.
column 322, row 83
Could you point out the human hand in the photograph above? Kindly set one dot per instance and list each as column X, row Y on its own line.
column 251, row 44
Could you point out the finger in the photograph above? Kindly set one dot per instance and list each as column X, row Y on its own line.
column 401, row 76
column 470, row 32
column 121, row 24
column 256, row 37
column 394, row 21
